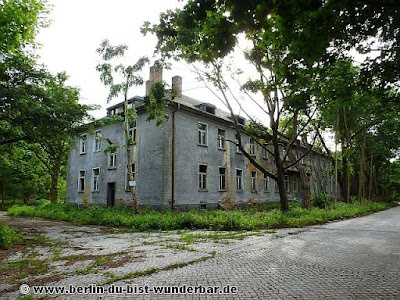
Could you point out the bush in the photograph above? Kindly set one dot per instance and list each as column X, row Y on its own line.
column 8, row 236
column 319, row 199
column 241, row 219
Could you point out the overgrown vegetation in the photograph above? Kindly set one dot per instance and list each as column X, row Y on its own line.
column 8, row 236
column 243, row 219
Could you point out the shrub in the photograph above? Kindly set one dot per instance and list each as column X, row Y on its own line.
column 8, row 236
column 319, row 199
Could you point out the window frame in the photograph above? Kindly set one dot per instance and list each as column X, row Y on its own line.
column 266, row 183
column 220, row 178
column 252, row 146
column 221, row 142
column 81, row 187
column 127, row 187
column 132, row 132
column 83, row 142
column 97, row 141
column 287, row 183
column 264, row 152
column 110, row 155
column 97, row 181
column 294, row 184
column 202, row 176
column 237, row 142
column 239, row 180
column 253, row 182
column 199, row 136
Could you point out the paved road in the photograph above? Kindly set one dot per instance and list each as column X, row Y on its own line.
column 352, row 259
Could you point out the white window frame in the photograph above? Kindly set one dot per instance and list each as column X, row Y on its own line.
column 221, row 139
column 202, row 178
column 95, row 180
column 222, row 179
column 202, row 134
column 81, row 187
column 97, row 141
column 83, row 144
column 266, row 183
column 127, row 188
column 253, row 181
column 252, row 147
column 239, row 180
column 112, row 159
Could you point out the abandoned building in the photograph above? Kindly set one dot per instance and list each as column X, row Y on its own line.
column 188, row 162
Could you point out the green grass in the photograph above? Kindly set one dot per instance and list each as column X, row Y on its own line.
column 8, row 236
column 265, row 217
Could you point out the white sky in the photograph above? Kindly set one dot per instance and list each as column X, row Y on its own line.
column 77, row 29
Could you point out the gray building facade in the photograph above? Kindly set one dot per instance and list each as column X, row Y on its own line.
column 191, row 161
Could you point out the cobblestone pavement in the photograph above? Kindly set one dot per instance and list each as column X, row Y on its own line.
column 351, row 259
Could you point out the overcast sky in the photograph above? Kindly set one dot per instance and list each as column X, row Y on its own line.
column 77, row 28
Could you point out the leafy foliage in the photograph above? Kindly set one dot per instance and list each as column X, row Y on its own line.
column 8, row 236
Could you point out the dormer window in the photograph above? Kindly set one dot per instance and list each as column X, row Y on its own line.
column 207, row 107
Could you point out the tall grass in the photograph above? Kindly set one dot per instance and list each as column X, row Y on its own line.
column 242, row 219
column 8, row 236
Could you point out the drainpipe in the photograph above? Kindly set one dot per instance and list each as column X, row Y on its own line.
column 173, row 158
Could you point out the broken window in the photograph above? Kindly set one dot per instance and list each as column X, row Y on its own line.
column 239, row 179
column 81, row 181
column 83, row 143
column 253, row 180
column 221, row 139
column 112, row 159
column 202, row 177
column 266, row 179
column 202, row 138
column 222, row 179
column 96, row 179
column 252, row 147
column 97, row 141
column 128, row 183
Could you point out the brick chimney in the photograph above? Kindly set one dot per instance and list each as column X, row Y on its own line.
column 155, row 75
column 177, row 85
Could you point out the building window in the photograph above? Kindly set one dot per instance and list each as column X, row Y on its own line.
column 222, row 179
column 112, row 159
column 202, row 139
column 266, row 179
column 202, row 177
column 133, row 183
column 276, row 186
column 287, row 183
column 237, row 143
column 239, row 179
column 96, row 179
column 97, row 141
column 83, row 143
column 81, row 181
column 252, row 147
column 253, row 180
column 132, row 131
column 264, row 152
column 221, row 139
column 294, row 184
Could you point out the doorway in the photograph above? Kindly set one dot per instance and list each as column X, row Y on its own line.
column 111, row 194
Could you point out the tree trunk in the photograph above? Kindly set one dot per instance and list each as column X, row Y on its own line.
column 54, row 173
column 280, row 176
column 128, row 148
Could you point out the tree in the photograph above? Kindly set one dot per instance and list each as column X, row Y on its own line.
column 207, row 32
column 129, row 78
